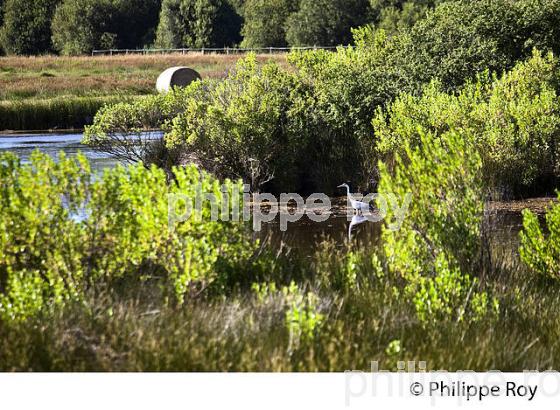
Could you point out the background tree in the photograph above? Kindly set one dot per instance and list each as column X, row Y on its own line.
column 198, row 23
column 1, row 12
column 80, row 26
column 265, row 22
column 27, row 26
column 1, row 22
column 460, row 39
column 326, row 22
column 394, row 19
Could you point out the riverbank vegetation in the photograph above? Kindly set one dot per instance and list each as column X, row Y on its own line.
column 119, row 291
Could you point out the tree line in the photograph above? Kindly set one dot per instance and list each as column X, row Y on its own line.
column 74, row 27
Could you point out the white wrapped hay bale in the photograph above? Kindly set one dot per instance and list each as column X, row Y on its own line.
column 176, row 77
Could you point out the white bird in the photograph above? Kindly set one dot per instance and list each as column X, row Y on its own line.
column 358, row 206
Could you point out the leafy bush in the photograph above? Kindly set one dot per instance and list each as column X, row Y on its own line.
column 515, row 120
column 460, row 39
column 64, row 231
column 347, row 87
column 438, row 248
column 125, row 129
column 27, row 26
column 197, row 24
column 540, row 249
column 245, row 126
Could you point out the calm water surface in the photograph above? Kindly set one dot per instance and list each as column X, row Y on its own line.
column 504, row 226
column 24, row 144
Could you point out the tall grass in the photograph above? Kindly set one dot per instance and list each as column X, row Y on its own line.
column 139, row 332
column 60, row 112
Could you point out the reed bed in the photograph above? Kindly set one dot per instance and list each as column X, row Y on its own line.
column 61, row 112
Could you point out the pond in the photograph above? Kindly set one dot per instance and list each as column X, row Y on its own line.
column 24, row 144
column 503, row 219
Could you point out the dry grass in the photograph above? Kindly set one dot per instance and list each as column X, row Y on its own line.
column 50, row 76
column 38, row 93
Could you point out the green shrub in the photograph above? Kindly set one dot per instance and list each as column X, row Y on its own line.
column 515, row 119
column 437, row 251
column 49, row 255
column 245, row 126
column 540, row 248
column 124, row 130
column 347, row 87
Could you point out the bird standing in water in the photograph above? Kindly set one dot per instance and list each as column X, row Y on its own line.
column 358, row 206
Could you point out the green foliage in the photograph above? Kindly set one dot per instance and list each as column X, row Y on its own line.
column 27, row 26
column 40, row 245
column 540, row 249
column 197, row 24
column 302, row 318
column 394, row 348
column 265, row 22
column 245, row 126
column 394, row 19
column 63, row 231
column 460, row 39
column 83, row 25
column 347, row 87
column 326, row 22
column 438, row 247
column 515, row 120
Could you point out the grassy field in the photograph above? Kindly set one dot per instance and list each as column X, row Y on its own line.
column 48, row 92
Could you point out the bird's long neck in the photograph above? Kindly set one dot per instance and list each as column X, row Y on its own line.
column 348, row 191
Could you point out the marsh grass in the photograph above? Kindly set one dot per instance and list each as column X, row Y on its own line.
column 59, row 112
column 139, row 331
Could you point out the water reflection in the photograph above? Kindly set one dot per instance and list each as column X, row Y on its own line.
column 306, row 235
column 24, row 145
column 356, row 220
column 503, row 225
